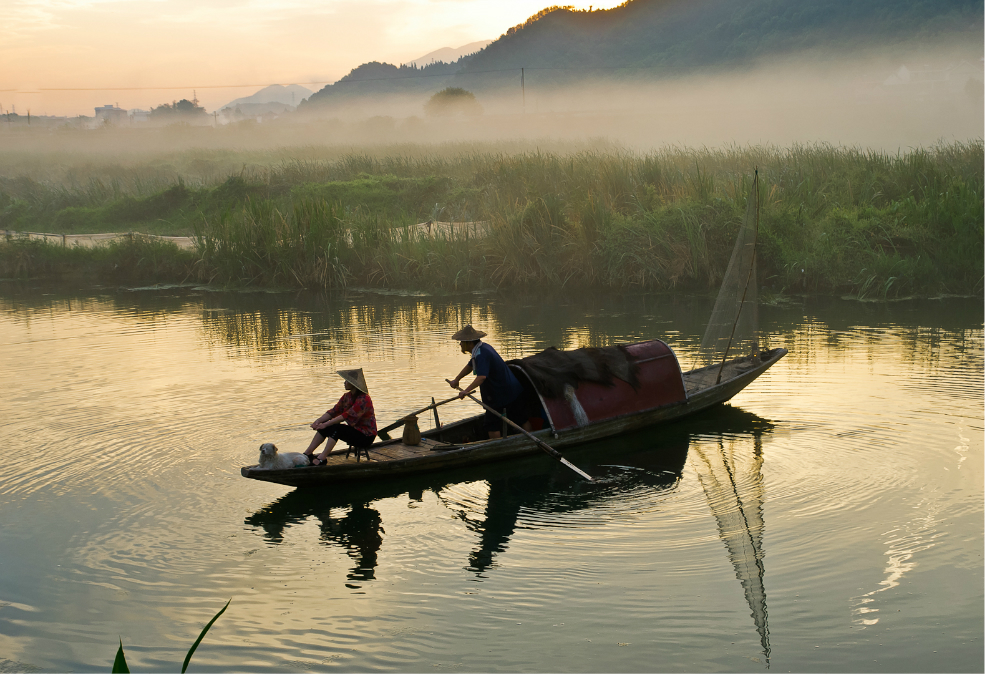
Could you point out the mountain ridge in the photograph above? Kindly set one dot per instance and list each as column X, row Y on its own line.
column 275, row 93
column 449, row 54
column 654, row 39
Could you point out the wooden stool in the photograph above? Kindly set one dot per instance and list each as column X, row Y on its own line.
column 357, row 450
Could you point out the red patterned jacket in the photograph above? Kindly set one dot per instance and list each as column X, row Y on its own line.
column 357, row 411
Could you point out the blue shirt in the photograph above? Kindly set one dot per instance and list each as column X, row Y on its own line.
column 501, row 386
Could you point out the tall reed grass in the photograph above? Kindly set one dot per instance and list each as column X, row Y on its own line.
column 125, row 262
column 832, row 219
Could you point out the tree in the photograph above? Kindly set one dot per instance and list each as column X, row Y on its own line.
column 179, row 109
column 452, row 101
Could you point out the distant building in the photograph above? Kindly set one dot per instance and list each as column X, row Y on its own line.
column 111, row 114
column 138, row 116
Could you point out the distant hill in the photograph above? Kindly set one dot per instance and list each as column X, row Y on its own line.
column 448, row 54
column 289, row 95
column 674, row 35
column 374, row 78
column 656, row 39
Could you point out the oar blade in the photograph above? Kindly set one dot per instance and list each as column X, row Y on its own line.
column 576, row 469
column 540, row 443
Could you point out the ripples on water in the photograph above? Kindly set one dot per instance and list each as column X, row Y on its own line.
column 831, row 518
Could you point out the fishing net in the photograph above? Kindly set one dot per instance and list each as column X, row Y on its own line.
column 732, row 328
column 550, row 370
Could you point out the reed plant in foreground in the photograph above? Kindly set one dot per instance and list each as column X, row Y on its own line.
column 120, row 661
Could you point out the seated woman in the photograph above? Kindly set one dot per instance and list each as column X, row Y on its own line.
column 355, row 408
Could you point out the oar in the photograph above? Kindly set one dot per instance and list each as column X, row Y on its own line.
column 540, row 443
column 382, row 433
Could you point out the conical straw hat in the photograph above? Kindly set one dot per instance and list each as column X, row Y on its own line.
column 468, row 334
column 356, row 378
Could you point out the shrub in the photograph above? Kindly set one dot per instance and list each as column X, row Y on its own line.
column 452, row 101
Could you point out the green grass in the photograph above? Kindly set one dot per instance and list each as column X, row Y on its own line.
column 124, row 262
column 833, row 220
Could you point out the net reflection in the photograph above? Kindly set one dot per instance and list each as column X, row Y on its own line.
column 731, row 477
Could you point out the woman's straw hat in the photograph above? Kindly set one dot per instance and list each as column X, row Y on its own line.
column 356, row 378
column 468, row 334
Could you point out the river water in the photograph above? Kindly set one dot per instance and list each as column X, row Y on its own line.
column 829, row 519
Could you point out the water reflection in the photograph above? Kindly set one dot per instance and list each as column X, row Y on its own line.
column 872, row 491
column 732, row 480
column 629, row 466
column 316, row 321
column 359, row 531
column 363, row 325
column 642, row 467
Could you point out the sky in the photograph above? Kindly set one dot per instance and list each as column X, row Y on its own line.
column 140, row 53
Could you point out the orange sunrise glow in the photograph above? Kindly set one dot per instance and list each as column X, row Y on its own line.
column 65, row 58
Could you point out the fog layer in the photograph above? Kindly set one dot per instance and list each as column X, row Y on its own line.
column 872, row 103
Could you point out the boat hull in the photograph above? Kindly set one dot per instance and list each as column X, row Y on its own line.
column 703, row 392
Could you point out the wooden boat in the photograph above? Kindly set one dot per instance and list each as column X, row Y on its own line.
column 590, row 412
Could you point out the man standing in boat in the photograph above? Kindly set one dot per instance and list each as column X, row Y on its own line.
column 499, row 387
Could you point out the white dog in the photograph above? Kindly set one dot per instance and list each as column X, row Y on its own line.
column 271, row 460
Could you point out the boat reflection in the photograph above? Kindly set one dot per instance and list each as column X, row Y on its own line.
column 717, row 442
column 655, row 469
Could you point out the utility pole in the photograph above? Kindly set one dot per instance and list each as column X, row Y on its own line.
column 523, row 92
column 215, row 119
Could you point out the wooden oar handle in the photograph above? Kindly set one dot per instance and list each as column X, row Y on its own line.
column 540, row 443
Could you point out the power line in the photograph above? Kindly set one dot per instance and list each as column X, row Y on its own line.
column 199, row 86
column 247, row 86
column 341, row 81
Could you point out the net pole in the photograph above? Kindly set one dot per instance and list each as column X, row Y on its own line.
column 737, row 314
column 745, row 289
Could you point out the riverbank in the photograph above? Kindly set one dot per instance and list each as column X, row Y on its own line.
column 833, row 220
